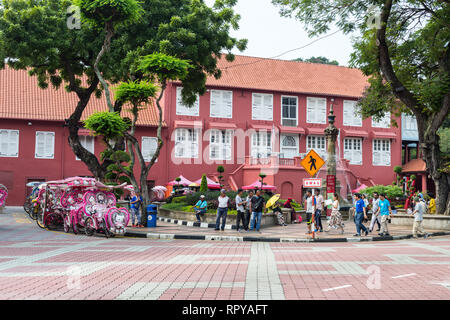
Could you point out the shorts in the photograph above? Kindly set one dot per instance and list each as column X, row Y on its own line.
column 308, row 217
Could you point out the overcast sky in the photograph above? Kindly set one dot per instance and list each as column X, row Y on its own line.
column 269, row 34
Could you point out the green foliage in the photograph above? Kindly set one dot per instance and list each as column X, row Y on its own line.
column 99, row 12
column 162, row 67
column 391, row 192
column 398, row 169
column 321, row 60
column 181, row 199
column 135, row 92
column 204, row 184
column 120, row 156
column 220, row 169
column 107, row 124
column 413, row 177
column 174, row 206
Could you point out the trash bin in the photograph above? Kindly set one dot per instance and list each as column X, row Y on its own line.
column 152, row 210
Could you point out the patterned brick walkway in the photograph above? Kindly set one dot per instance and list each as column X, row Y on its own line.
column 40, row 264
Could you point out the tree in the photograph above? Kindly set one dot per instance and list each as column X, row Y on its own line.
column 220, row 170
column 405, row 51
column 321, row 60
column 34, row 36
column 204, row 184
column 262, row 176
column 398, row 172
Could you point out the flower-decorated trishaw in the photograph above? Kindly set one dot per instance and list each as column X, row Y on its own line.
column 81, row 203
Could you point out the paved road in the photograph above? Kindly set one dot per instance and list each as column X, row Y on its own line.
column 39, row 264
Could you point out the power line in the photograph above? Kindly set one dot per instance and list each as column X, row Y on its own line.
column 282, row 54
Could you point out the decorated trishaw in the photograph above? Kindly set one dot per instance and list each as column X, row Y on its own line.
column 81, row 203
column 30, row 205
column 3, row 195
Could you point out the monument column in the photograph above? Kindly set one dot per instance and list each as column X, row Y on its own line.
column 331, row 133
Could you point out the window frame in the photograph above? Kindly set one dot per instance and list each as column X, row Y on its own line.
column 352, row 149
column 93, row 145
column 142, row 147
column 321, row 152
column 187, row 142
column 36, row 145
column 221, row 146
column 380, row 124
column 308, row 120
column 262, row 97
column 296, row 111
column 179, row 106
column 17, row 143
column 222, row 92
column 353, row 117
column 382, row 144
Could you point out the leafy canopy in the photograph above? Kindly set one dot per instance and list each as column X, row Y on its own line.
column 135, row 92
column 163, row 67
column 99, row 12
column 107, row 124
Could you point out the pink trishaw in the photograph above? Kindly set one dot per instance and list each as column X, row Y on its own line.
column 82, row 203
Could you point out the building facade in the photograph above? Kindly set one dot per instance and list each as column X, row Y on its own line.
column 262, row 115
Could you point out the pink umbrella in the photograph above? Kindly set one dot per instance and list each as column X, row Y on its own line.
column 211, row 183
column 257, row 185
column 361, row 187
column 183, row 182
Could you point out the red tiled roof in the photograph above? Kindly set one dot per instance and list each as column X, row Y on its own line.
column 21, row 98
column 415, row 165
column 290, row 77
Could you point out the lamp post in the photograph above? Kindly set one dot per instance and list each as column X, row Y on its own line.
column 331, row 133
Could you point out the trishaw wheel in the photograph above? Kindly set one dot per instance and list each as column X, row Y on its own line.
column 105, row 228
column 51, row 221
column 74, row 226
column 89, row 226
column 27, row 207
column 40, row 222
column 66, row 224
column 34, row 213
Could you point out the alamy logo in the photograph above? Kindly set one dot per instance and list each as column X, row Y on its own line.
column 74, row 17
column 374, row 17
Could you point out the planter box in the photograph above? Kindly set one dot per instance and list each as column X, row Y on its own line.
column 430, row 221
column 268, row 219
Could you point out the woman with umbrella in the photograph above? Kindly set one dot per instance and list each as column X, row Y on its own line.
column 275, row 207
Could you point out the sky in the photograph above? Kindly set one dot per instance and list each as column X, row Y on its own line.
column 269, row 35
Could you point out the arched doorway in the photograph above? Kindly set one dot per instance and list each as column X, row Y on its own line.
column 287, row 190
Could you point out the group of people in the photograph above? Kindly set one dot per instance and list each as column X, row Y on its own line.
column 315, row 206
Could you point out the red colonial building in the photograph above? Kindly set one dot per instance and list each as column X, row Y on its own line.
column 262, row 115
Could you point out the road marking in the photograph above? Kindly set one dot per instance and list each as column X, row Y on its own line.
column 337, row 288
column 404, row 275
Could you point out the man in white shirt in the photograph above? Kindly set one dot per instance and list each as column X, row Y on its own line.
column 418, row 212
column 309, row 209
column 318, row 209
column 240, row 211
column 375, row 213
column 222, row 210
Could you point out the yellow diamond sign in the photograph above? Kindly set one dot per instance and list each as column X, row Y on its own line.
column 312, row 163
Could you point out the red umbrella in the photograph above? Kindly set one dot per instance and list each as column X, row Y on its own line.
column 211, row 183
column 183, row 182
column 361, row 187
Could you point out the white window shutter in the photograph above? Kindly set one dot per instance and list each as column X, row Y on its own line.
column 323, row 111
column 228, row 103
column 310, row 106
column 40, row 145
column 268, row 107
column 346, row 114
column 215, row 104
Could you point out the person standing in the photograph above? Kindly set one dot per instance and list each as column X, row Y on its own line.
column 200, row 207
column 375, row 212
column 418, row 212
column 240, row 211
column 135, row 205
column 222, row 210
column 257, row 207
column 309, row 210
column 432, row 204
column 288, row 205
column 385, row 212
column 360, row 215
column 336, row 217
column 318, row 209
column 248, row 209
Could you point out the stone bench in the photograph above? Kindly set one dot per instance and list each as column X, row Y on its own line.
column 430, row 221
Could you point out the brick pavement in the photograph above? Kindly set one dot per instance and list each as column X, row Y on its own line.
column 40, row 264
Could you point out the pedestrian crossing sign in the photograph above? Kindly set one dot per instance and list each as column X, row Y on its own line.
column 312, row 163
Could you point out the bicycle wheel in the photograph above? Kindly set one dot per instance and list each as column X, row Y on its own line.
column 74, row 226
column 40, row 221
column 27, row 207
column 89, row 228
column 66, row 224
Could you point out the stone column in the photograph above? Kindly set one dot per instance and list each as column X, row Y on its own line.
column 331, row 133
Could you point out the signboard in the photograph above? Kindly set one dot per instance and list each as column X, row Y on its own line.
column 312, row 183
column 331, row 184
column 312, row 163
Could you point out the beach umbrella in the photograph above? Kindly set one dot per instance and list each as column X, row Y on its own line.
column 272, row 200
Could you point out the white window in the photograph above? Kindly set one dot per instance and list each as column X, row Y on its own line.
column 9, row 143
column 381, row 152
column 262, row 107
column 88, row 143
column 410, row 122
column 289, row 146
column 316, row 110
column 221, row 104
column 148, row 148
column 183, row 110
column 318, row 143
column 384, row 122
column 220, row 144
column 353, row 150
column 349, row 116
column 261, row 144
column 45, row 145
column 289, row 107
column 186, row 143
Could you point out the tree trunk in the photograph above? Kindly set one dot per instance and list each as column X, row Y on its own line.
column 428, row 123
